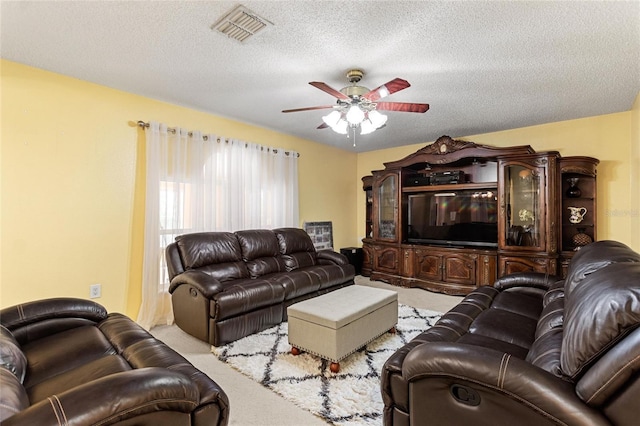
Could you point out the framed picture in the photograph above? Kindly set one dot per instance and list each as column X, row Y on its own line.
column 321, row 234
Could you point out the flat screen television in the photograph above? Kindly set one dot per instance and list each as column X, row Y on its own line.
column 466, row 217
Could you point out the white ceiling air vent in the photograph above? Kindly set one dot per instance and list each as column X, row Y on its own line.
column 240, row 24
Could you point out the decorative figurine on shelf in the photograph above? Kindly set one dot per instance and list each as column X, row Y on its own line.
column 525, row 175
column 581, row 239
column 573, row 191
column 576, row 214
column 526, row 215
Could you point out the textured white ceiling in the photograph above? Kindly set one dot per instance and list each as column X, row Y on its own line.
column 483, row 66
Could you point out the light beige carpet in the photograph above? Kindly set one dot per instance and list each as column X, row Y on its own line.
column 251, row 403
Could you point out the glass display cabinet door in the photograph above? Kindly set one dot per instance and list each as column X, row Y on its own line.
column 387, row 210
column 524, row 207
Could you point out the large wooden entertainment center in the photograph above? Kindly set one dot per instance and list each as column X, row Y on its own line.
column 456, row 215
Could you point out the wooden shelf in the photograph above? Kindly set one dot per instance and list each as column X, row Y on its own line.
column 459, row 186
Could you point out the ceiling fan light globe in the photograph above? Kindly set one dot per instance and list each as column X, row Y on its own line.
column 355, row 115
column 341, row 127
column 366, row 127
column 378, row 120
column 332, row 118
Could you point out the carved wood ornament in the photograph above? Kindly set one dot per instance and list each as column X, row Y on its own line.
column 447, row 150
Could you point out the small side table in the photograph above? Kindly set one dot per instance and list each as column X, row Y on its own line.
column 354, row 255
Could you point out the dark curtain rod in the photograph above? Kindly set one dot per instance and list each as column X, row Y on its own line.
column 172, row 130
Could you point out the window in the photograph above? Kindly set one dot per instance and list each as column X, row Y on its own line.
column 175, row 219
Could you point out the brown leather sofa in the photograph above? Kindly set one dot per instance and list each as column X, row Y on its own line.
column 531, row 350
column 67, row 362
column 225, row 285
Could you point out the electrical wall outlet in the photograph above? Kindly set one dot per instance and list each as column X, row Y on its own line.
column 95, row 291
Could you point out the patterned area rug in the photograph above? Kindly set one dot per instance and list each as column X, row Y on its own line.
column 350, row 397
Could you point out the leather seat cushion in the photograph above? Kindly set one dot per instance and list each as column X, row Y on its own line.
column 491, row 343
column 521, row 303
column 62, row 352
column 310, row 279
column 142, row 350
column 243, row 296
column 505, row 326
column 228, row 271
column 456, row 322
column 92, row 370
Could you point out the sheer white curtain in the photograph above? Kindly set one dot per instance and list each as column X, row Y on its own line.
column 198, row 183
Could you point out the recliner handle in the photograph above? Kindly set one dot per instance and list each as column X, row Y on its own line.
column 465, row 395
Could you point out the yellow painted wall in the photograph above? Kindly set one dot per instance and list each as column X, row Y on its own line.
column 610, row 138
column 635, row 174
column 72, row 200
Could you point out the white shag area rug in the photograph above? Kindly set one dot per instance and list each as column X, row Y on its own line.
column 347, row 398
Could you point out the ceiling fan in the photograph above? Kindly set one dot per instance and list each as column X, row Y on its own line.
column 358, row 106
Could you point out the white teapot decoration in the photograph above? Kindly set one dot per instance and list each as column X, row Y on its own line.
column 576, row 214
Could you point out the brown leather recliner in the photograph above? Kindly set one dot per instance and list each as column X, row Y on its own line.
column 531, row 350
column 66, row 361
column 225, row 286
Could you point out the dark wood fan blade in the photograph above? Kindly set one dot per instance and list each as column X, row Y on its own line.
column 386, row 89
column 402, row 106
column 322, row 126
column 308, row 108
column 330, row 90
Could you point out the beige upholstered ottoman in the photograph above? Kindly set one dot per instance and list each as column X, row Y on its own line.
column 337, row 324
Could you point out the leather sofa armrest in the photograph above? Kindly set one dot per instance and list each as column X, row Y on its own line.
column 205, row 284
column 332, row 257
column 526, row 279
column 137, row 392
column 51, row 309
column 494, row 374
column 174, row 261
